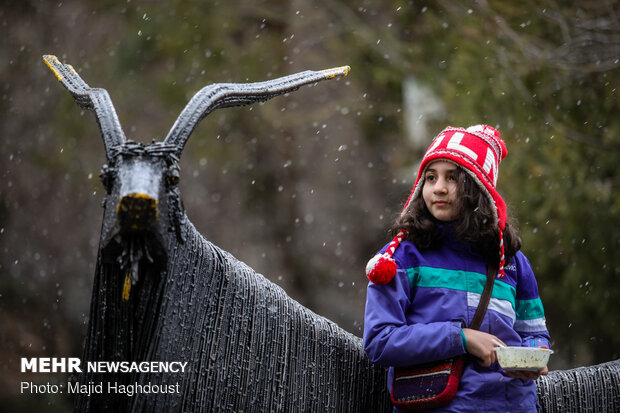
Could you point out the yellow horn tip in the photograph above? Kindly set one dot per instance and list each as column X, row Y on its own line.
column 51, row 61
column 336, row 71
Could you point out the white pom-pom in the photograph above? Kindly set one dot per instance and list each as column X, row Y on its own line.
column 381, row 269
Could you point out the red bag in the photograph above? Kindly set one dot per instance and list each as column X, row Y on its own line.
column 425, row 386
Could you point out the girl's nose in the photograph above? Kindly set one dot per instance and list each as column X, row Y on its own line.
column 441, row 186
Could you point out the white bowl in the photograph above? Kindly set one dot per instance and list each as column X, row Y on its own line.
column 523, row 358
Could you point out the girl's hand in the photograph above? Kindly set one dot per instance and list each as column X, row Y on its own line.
column 481, row 345
column 527, row 375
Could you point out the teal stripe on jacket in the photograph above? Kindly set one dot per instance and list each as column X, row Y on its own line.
column 467, row 281
column 473, row 282
column 529, row 309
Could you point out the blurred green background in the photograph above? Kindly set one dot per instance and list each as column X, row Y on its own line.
column 304, row 187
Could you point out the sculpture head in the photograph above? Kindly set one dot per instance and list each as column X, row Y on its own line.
column 142, row 207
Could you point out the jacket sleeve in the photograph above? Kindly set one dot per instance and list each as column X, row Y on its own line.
column 389, row 340
column 530, row 321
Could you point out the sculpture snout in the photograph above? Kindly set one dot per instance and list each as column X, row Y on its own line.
column 137, row 211
column 138, row 204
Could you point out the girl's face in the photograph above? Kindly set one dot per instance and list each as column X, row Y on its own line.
column 439, row 190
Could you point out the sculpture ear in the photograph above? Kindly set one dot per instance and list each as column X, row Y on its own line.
column 97, row 100
column 223, row 95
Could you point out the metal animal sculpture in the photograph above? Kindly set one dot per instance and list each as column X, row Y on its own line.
column 162, row 292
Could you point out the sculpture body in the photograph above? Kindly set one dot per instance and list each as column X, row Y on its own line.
column 249, row 347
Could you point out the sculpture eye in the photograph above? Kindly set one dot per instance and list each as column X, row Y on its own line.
column 107, row 176
column 172, row 177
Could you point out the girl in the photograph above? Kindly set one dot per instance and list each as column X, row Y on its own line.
column 425, row 285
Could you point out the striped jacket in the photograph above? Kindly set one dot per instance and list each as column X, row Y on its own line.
column 418, row 316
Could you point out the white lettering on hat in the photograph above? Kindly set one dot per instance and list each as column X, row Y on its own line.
column 455, row 143
column 435, row 143
column 490, row 165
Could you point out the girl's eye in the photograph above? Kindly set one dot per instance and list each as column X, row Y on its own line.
column 452, row 178
column 430, row 178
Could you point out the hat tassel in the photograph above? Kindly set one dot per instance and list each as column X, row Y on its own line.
column 502, row 257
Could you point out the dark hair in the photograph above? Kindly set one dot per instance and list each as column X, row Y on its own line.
column 474, row 224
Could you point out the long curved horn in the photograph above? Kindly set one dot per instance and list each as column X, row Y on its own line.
column 95, row 99
column 223, row 95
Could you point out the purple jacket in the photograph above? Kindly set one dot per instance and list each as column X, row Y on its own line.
column 417, row 317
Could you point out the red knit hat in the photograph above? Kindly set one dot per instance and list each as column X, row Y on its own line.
column 478, row 150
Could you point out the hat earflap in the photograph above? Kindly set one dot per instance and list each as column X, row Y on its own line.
column 382, row 267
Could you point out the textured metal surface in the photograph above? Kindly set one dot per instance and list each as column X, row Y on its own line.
column 249, row 346
column 97, row 100
column 584, row 389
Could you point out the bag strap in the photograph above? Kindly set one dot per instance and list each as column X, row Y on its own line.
column 484, row 298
